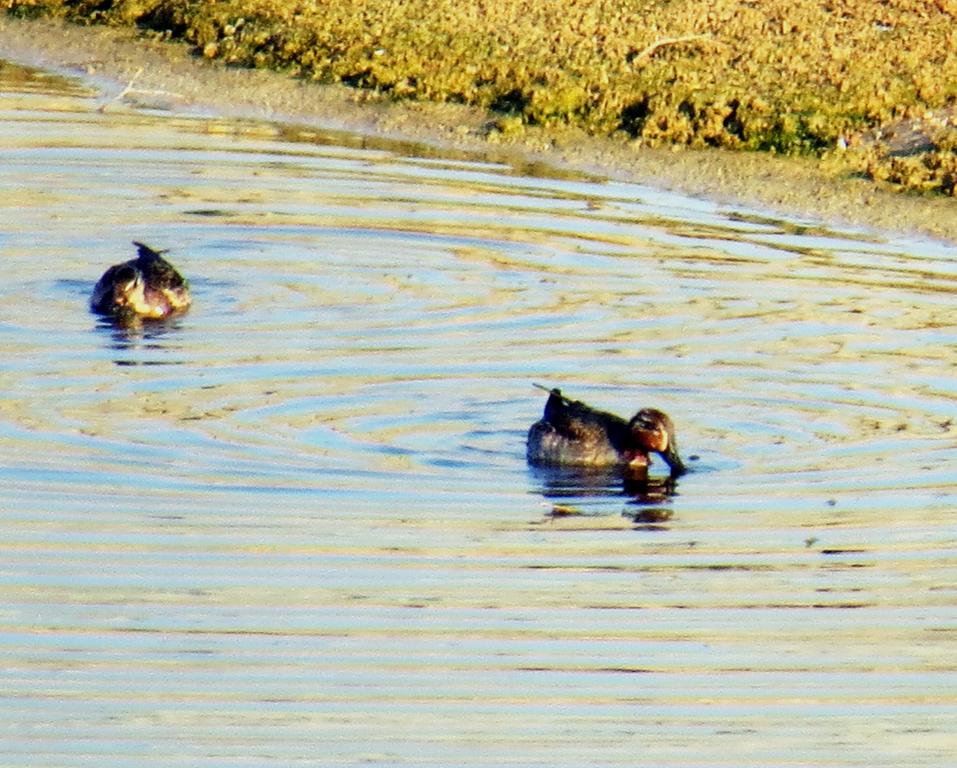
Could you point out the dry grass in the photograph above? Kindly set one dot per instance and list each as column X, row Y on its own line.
column 789, row 76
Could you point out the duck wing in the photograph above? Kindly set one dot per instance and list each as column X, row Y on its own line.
column 580, row 422
column 157, row 272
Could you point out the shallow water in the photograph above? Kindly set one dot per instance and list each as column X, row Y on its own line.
column 296, row 524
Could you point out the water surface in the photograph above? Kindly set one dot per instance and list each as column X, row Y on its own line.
column 296, row 525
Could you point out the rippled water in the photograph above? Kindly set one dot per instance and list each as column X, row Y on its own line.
column 296, row 524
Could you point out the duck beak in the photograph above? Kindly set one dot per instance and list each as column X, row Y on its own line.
column 670, row 455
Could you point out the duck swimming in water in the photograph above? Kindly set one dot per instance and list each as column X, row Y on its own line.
column 145, row 287
column 573, row 434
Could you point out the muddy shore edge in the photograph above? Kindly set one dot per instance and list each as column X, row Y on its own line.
column 171, row 76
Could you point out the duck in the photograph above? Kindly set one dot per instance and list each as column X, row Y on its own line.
column 573, row 434
column 145, row 287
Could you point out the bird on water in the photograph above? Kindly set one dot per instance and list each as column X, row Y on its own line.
column 573, row 434
column 145, row 287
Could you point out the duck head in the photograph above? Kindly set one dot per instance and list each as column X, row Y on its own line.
column 120, row 290
column 653, row 431
column 126, row 292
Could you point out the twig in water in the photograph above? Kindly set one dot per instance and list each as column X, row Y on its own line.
column 130, row 89
column 129, row 85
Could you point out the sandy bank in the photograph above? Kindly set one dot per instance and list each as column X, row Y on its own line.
column 112, row 58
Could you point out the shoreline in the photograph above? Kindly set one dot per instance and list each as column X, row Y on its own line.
column 112, row 58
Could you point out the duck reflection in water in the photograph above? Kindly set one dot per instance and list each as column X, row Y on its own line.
column 577, row 449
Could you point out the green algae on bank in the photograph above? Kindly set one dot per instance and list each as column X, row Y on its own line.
column 783, row 77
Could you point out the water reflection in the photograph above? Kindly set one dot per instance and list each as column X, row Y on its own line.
column 140, row 342
column 575, row 489
column 653, row 518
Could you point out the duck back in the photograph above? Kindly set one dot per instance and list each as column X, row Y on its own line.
column 571, row 433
